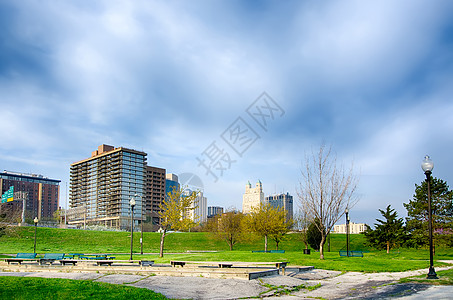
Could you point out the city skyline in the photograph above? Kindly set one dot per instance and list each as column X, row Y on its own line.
column 178, row 80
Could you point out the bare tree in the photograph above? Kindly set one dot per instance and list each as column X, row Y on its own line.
column 326, row 190
column 302, row 220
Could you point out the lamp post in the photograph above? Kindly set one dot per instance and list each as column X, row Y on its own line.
column 141, row 223
column 427, row 166
column 132, row 203
column 36, row 220
column 347, row 231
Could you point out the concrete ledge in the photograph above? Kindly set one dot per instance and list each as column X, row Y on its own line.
column 162, row 270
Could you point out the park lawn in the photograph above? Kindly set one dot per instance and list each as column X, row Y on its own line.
column 445, row 278
column 88, row 241
column 51, row 240
column 379, row 261
column 12, row 287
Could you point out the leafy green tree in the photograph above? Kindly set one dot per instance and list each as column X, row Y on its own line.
column 388, row 233
column 174, row 213
column 314, row 235
column 280, row 234
column 442, row 213
column 229, row 227
column 267, row 221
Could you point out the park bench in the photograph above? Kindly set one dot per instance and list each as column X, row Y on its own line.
column 109, row 262
column 51, row 257
column 20, row 257
column 352, row 253
column 73, row 255
column 146, row 263
column 96, row 257
column 177, row 263
column 268, row 251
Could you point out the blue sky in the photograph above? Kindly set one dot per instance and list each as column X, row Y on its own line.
column 371, row 78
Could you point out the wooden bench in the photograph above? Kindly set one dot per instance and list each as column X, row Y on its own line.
column 73, row 255
column 351, row 253
column 20, row 257
column 97, row 257
column 177, row 263
column 109, row 262
column 268, row 251
column 69, row 261
column 50, row 258
column 146, row 263
column 226, row 264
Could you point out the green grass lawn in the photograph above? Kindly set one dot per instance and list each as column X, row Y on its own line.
column 71, row 240
column 52, row 288
column 80, row 241
column 445, row 278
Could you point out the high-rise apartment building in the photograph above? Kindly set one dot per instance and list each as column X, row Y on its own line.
column 101, row 187
column 282, row 201
column 252, row 197
column 214, row 211
column 154, row 193
column 199, row 208
column 171, row 183
column 40, row 193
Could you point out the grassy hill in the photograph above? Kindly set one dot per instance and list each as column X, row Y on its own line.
column 73, row 240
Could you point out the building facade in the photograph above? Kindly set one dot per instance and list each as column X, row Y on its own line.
column 282, row 201
column 101, row 187
column 353, row 228
column 252, row 197
column 154, row 193
column 214, row 211
column 40, row 194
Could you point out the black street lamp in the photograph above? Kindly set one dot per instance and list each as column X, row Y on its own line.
column 141, row 223
column 427, row 166
column 347, row 231
column 132, row 203
column 36, row 220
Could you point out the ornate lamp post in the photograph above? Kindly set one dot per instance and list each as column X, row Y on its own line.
column 347, row 231
column 36, row 220
column 132, row 203
column 427, row 166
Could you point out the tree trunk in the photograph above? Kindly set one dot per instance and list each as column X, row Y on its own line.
column 388, row 247
column 162, row 238
column 276, row 242
column 230, row 242
column 265, row 243
column 321, row 247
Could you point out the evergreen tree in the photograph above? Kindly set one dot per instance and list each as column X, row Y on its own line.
column 388, row 233
column 442, row 213
column 314, row 235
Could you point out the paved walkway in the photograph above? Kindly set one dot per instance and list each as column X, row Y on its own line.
column 333, row 285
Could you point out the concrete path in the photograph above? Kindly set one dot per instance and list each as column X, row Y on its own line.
column 333, row 285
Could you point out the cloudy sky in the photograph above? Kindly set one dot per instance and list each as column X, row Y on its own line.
column 177, row 79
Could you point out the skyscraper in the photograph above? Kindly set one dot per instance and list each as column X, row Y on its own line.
column 252, row 197
column 101, row 187
column 154, row 193
column 41, row 194
column 282, row 201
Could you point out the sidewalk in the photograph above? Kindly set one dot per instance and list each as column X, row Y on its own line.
column 334, row 285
